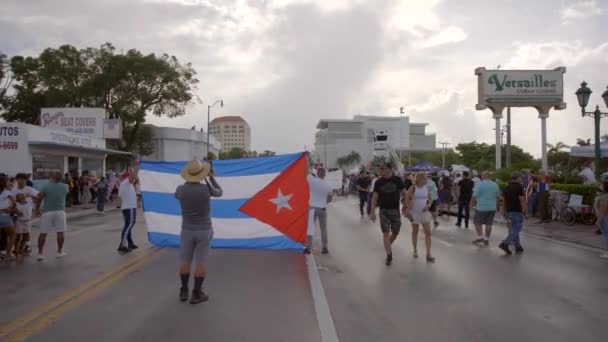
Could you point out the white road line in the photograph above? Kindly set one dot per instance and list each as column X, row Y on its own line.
column 324, row 318
column 443, row 242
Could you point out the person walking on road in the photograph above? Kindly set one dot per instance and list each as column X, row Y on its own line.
column 197, row 230
column 486, row 198
column 601, row 209
column 434, row 199
column 544, row 197
column 445, row 194
column 514, row 207
column 52, row 198
column 101, row 188
column 388, row 191
column 7, row 225
column 320, row 196
column 128, row 198
column 417, row 207
column 465, row 193
column 363, row 184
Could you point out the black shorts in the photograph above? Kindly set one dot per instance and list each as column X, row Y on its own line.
column 390, row 221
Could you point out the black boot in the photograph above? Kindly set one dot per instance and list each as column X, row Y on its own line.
column 183, row 294
column 198, row 297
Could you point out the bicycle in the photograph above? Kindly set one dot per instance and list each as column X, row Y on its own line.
column 575, row 210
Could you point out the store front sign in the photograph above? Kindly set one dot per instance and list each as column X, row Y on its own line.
column 71, row 139
column 84, row 121
column 520, row 88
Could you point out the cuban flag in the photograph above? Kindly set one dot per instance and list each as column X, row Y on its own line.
column 265, row 202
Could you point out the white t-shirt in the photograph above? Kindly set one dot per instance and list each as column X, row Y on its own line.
column 371, row 188
column 588, row 176
column 5, row 202
column 127, row 194
column 25, row 210
column 319, row 190
column 28, row 191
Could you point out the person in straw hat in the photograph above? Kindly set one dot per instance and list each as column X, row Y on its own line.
column 196, row 234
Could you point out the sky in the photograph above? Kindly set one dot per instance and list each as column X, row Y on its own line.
column 284, row 64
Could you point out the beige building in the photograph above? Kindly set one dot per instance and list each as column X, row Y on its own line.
column 231, row 132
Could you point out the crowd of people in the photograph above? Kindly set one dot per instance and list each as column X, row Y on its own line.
column 425, row 196
column 21, row 203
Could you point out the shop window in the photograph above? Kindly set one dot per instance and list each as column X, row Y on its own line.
column 44, row 166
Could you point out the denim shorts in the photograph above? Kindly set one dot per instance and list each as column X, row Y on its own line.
column 6, row 221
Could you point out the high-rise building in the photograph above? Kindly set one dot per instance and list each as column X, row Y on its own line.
column 231, row 132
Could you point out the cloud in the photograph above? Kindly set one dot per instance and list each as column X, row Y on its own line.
column 579, row 9
column 451, row 34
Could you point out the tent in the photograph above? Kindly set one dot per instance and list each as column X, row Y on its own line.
column 589, row 151
column 424, row 166
column 242, row 181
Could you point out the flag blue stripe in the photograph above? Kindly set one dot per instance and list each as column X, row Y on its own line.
column 164, row 203
column 271, row 243
column 230, row 168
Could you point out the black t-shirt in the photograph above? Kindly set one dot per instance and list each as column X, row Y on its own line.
column 389, row 192
column 466, row 188
column 364, row 182
column 446, row 182
column 511, row 194
column 407, row 183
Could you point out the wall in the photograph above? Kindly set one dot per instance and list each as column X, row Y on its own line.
column 179, row 144
column 14, row 150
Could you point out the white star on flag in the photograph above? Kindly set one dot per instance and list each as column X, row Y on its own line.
column 282, row 201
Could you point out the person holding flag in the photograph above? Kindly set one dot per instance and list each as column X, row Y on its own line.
column 320, row 196
column 197, row 231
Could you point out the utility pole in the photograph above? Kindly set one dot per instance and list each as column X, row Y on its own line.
column 443, row 147
column 508, row 152
column 401, row 112
column 325, row 149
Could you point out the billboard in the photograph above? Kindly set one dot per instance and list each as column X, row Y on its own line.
column 520, row 88
column 84, row 121
column 112, row 129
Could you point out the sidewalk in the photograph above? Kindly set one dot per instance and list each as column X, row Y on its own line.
column 579, row 233
column 83, row 210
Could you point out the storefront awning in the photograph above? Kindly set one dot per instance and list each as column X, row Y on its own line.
column 80, row 148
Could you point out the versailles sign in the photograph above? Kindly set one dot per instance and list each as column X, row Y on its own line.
column 520, row 88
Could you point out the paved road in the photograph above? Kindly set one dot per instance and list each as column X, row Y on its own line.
column 553, row 292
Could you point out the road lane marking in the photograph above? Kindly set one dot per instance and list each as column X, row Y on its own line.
column 324, row 318
column 73, row 295
column 443, row 242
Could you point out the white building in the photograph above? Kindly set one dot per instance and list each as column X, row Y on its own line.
column 231, row 131
column 179, row 144
column 336, row 138
column 41, row 151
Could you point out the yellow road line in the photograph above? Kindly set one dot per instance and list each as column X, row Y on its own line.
column 49, row 318
column 70, row 295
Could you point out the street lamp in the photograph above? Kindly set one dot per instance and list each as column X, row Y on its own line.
column 583, row 94
column 221, row 103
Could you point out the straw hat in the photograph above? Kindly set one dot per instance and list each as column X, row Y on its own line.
column 195, row 171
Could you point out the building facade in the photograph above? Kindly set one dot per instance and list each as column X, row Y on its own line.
column 231, row 132
column 336, row 138
column 42, row 151
column 179, row 144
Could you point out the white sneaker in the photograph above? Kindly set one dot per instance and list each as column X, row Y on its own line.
column 604, row 255
column 40, row 257
column 61, row 255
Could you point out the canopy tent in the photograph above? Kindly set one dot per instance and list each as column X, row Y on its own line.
column 459, row 168
column 425, row 166
column 589, row 151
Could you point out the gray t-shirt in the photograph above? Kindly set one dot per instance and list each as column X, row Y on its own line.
column 195, row 200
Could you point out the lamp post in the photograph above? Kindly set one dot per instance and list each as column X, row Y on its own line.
column 401, row 113
column 583, row 94
column 221, row 102
column 443, row 146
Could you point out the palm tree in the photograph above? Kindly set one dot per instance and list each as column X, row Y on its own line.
column 560, row 145
column 582, row 142
column 349, row 159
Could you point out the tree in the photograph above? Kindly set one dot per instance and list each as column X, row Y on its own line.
column 267, row 153
column 582, row 142
column 5, row 75
column 234, row 153
column 211, row 156
column 128, row 86
column 560, row 145
column 350, row 159
column 480, row 156
column 436, row 158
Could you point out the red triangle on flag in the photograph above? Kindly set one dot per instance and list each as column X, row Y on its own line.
column 284, row 203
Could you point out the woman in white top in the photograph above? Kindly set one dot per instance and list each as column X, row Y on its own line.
column 417, row 204
column 7, row 206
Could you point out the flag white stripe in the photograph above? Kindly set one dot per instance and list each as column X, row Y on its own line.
column 236, row 187
column 222, row 228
